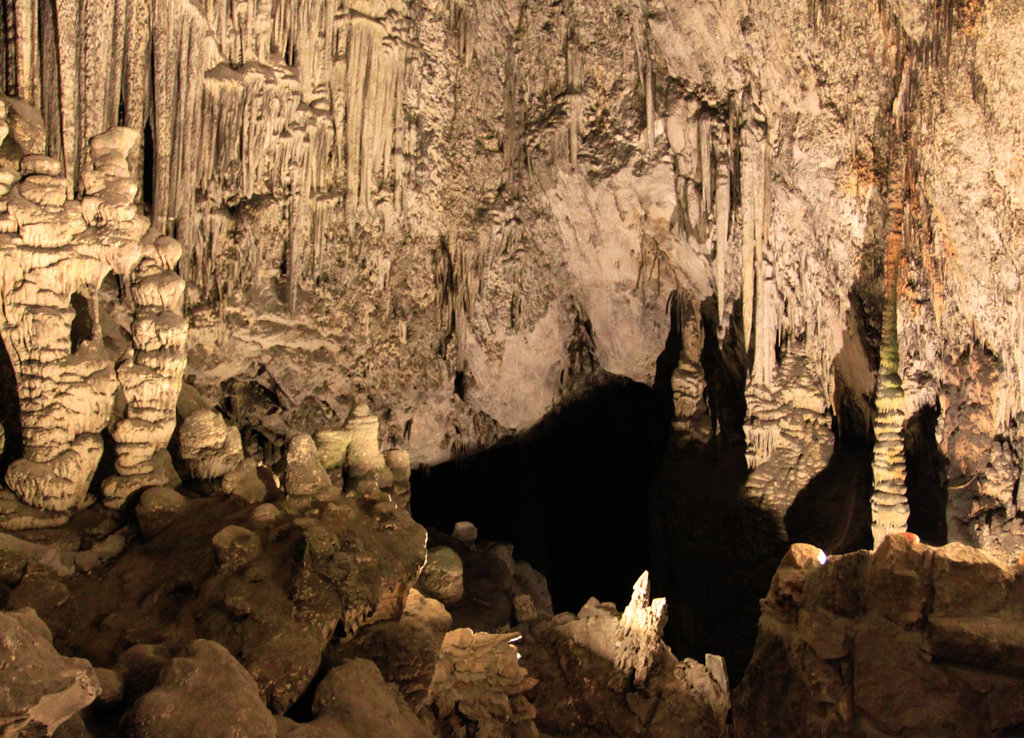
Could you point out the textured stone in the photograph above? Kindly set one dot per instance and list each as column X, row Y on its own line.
column 244, row 482
column 862, row 651
column 355, row 696
column 209, row 447
column 236, row 547
column 204, row 692
column 158, row 507
column 63, row 251
column 42, row 689
column 304, row 475
column 441, row 577
column 478, row 682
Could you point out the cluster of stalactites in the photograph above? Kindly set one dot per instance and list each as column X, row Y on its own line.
column 52, row 247
column 241, row 100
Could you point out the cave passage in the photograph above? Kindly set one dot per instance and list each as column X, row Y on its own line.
column 571, row 495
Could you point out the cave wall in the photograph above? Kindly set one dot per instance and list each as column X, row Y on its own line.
column 462, row 212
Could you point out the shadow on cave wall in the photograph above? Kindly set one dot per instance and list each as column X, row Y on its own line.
column 713, row 551
column 10, row 411
column 571, row 495
column 833, row 511
column 927, row 490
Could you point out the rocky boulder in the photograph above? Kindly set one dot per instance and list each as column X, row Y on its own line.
column 39, row 688
column 273, row 588
column 908, row 640
column 209, row 447
column 157, row 508
column 205, row 693
column 441, row 577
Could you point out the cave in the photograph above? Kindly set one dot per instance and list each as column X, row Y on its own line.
column 556, row 493
column 484, row 369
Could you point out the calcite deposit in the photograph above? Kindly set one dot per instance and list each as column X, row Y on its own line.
column 57, row 253
column 471, row 212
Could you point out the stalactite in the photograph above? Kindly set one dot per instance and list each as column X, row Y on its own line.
column 374, row 70
column 723, row 211
column 574, row 56
column 765, row 294
column 752, row 174
column 27, row 54
column 512, row 143
column 645, row 72
column 243, row 99
column 707, row 177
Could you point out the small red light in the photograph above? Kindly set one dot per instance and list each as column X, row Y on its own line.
column 912, row 537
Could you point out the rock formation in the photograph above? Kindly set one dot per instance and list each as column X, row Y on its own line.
column 260, row 260
column 198, row 693
column 908, row 639
column 42, row 689
column 312, row 160
column 638, row 634
column 58, row 252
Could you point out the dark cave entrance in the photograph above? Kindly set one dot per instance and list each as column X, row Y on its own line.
column 571, row 495
column 604, row 489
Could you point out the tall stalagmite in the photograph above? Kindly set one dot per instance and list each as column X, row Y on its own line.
column 889, row 507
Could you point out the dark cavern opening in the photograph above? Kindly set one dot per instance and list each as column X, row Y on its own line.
column 571, row 494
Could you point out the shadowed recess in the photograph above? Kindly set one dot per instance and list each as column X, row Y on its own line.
column 571, row 495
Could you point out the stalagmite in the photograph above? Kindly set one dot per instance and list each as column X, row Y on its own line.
column 789, row 438
column 58, row 247
column 638, row 635
column 889, row 506
column 692, row 418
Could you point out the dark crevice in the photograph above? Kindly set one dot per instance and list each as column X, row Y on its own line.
column 571, row 494
column 82, row 325
column 926, row 477
column 10, row 411
column 148, row 166
column 833, row 512
column 714, row 551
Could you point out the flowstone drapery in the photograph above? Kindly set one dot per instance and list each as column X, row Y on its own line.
column 54, row 254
